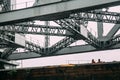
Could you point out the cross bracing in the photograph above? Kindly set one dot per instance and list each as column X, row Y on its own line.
column 38, row 49
column 36, row 29
column 60, row 45
column 74, row 28
column 28, row 45
column 98, row 16
column 34, row 47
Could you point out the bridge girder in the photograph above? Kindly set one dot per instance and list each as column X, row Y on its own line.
column 66, row 51
column 41, row 12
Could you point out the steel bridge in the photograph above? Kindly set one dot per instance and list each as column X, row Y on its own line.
column 72, row 16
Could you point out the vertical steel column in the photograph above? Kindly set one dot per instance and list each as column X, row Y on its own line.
column 47, row 37
column 100, row 28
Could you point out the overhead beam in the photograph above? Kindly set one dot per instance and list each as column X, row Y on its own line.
column 57, row 10
column 68, row 50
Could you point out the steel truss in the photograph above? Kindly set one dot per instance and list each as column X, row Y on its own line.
column 69, row 28
column 40, row 50
column 74, row 28
column 60, row 45
column 4, row 44
column 34, row 47
column 7, row 37
column 10, row 38
column 97, row 16
column 67, row 25
column 36, row 29
column 50, row 50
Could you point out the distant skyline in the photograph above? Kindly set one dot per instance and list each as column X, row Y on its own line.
column 109, row 55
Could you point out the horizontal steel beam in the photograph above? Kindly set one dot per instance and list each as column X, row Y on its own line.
column 97, row 16
column 53, row 11
column 6, row 62
column 65, row 51
column 68, row 50
column 36, row 29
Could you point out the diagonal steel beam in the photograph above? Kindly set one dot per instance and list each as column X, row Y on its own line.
column 28, row 45
column 79, row 32
column 113, row 41
column 4, row 44
column 60, row 45
column 34, row 47
column 112, row 32
column 7, row 52
column 8, row 38
column 36, row 29
column 83, row 33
